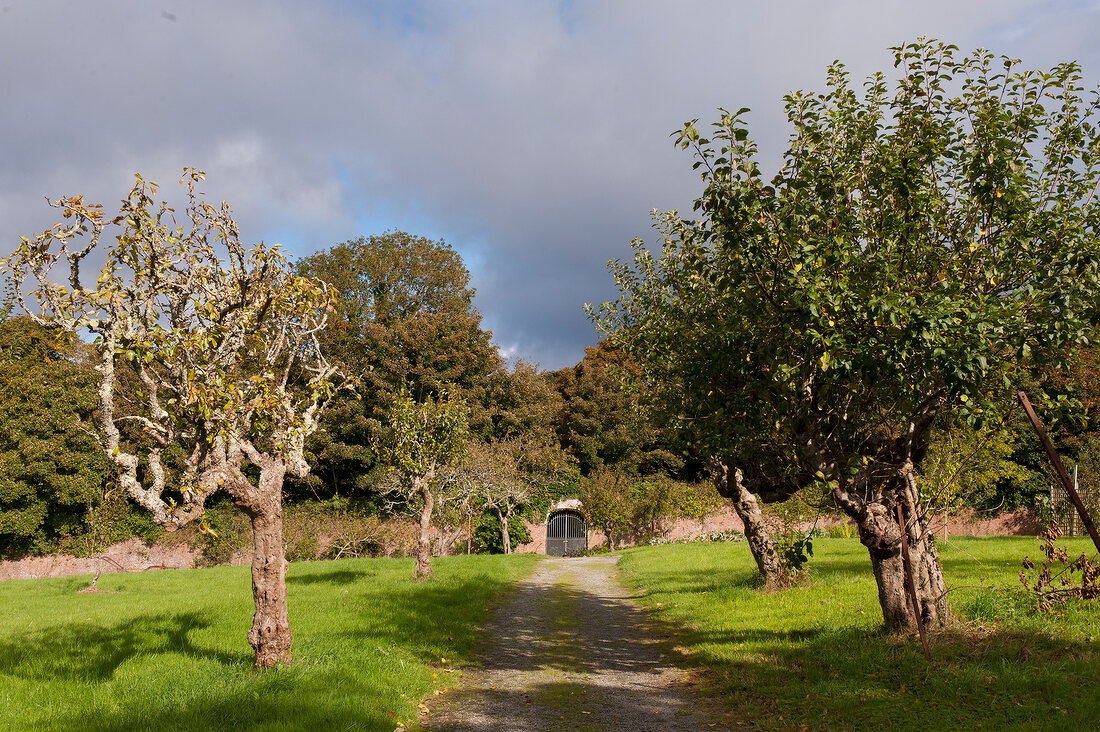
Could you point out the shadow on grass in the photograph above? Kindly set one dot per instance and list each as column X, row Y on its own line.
column 1016, row 671
column 341, row 577
column 275, row 700
column 859, row 679
column 92, row 652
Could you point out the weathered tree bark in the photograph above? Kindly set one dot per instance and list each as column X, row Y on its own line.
column 448, row 540
column 270, row 634
column 880, row 532
column 424, row 544
column 506, row 540
column 756, row 532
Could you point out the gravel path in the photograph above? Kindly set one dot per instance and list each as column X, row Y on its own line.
column 569, row 650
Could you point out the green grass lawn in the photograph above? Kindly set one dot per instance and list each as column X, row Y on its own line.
column 168, row 650
column 815, row 655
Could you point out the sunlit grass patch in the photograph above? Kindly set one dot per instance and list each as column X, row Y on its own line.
column 168, row 650
column 816, row 655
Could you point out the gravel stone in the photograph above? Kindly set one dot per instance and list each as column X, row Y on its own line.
column 570, row 650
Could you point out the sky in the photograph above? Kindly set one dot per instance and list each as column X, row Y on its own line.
column 533, row 137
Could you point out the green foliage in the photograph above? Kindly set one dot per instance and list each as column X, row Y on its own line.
column 965, row 465
column 52, row 470
column 604, row 422
column 629, row 507
column 112, row 520
column 487, row 534
column 404, row 320
column 921, row 243
column 608, row 499
column 421, row 436
column 225, row 534
column 524, row 403
column 794, row 549
column 842, row 530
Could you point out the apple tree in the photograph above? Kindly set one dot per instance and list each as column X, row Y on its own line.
column 223, row 340
column 926, row 240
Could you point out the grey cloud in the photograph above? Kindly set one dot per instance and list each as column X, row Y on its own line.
column 534, row 134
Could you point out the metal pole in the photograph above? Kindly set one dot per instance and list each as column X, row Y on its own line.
column 1072, row 518
column 1060, row 469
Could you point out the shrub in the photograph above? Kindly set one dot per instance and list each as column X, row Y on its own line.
column 488, row 535
column 223, row 533
column 704, row 538
column 843, row 530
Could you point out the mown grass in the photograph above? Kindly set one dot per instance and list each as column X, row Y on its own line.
column 168, row 650
column 815, row 655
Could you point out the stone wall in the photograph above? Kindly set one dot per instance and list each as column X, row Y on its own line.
column 959, row 523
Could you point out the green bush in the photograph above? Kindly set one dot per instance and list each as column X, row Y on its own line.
column 794, row 549
column 51, row 467
column 223, row 532
column 307, row 549
column 115, row 519
column 488, row 534
column 842, row 530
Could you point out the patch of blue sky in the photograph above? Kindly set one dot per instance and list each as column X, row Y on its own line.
column 401, row 18
column 377, row 216
column 569, row 16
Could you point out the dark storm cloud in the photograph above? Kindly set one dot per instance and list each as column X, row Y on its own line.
column 532, row 136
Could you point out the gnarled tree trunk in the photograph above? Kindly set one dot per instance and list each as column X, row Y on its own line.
column 424, row 543
column 270, row 634
column 505, row 538
column 756, row 532
column 881, row 533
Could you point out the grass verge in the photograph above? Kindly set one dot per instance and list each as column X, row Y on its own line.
column 168, row 650
column 814, row 657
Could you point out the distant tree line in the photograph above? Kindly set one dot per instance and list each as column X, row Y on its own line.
column 404, row 328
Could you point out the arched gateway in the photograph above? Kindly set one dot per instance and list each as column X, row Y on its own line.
column 566, row 533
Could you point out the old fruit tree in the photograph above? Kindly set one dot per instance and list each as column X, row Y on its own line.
column 924, row 239
column 223, row 340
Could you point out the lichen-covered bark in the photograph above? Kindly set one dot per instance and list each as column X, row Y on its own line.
column 214, row 331
column 505, row 538
column 731, row 484
column 270, row 634
column 424, row 543
column 880, row 532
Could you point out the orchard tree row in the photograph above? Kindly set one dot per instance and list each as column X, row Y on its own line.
column 409, row 345
column 851, row 328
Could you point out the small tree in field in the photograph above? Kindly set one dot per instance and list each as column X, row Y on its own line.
column 922, row 243
column 608, row 500
column 507, row 475
column 422, row 438
column 223, row 340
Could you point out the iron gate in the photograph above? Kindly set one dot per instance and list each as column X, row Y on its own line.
column 566, row 534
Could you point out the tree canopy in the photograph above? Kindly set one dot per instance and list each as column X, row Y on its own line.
column 404, row 321
column 922, row 242
column 52, row 470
